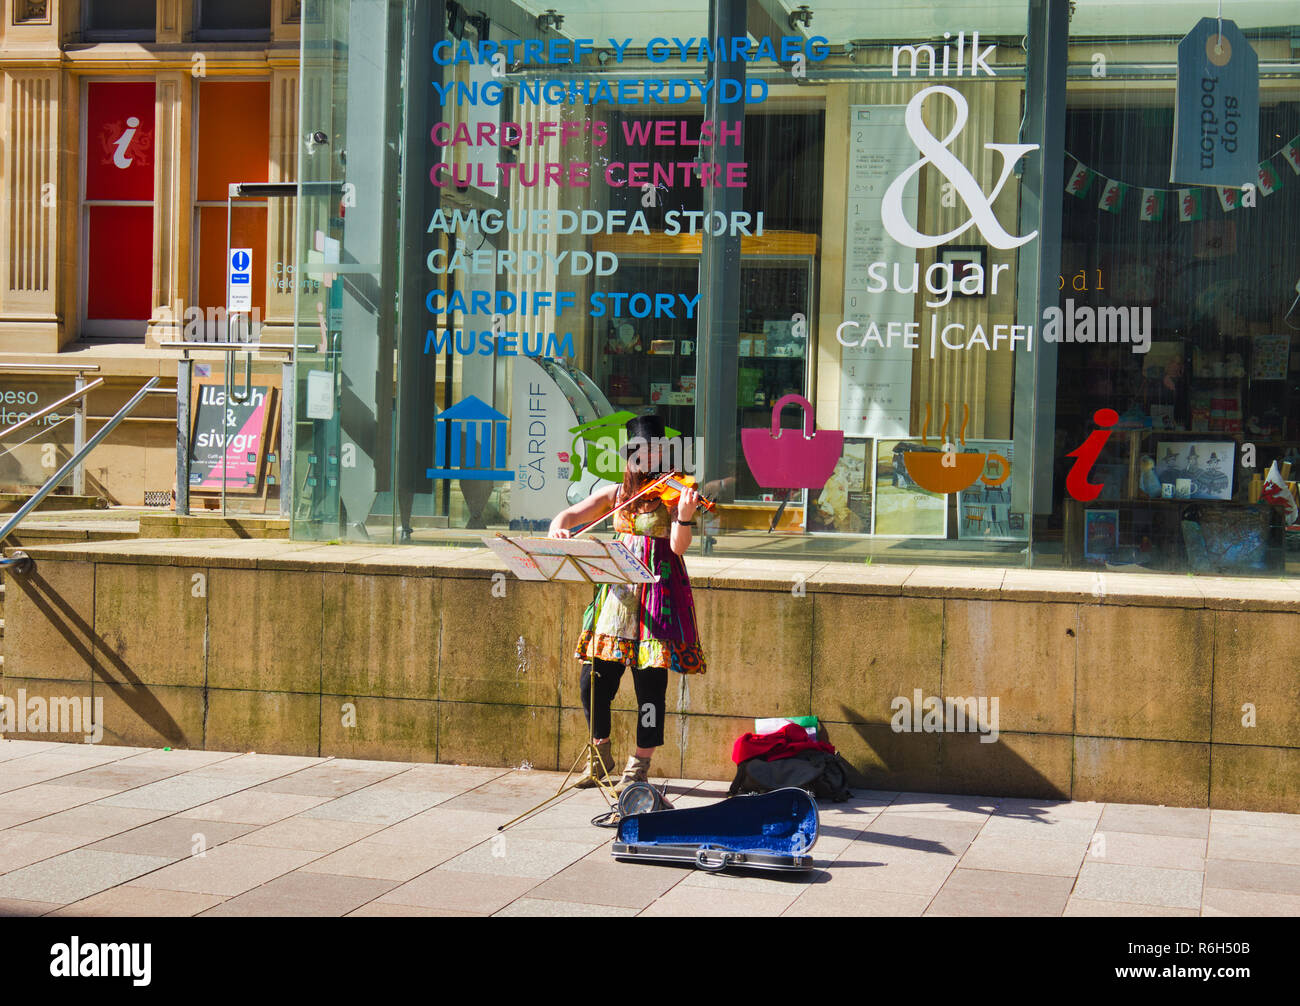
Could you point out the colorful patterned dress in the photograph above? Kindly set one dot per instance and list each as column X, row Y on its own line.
column 645, row 624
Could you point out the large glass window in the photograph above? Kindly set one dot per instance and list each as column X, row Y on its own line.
column 120, row 18
column 1179, row 292
column 845, row 255
column 234, row 18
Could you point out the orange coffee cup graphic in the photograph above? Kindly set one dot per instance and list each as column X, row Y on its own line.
column 929, row 472
column 951, row 472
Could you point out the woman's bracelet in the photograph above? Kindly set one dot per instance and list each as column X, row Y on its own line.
column 688, row 523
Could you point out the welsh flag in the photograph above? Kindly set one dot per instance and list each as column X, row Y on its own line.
column 1190, row 205
column 1153, row 204
column 1229, row 198
column 1080, row 179
column 1292, row 154
column 1269, row 180
column 1277, row 493
column 1112, row 195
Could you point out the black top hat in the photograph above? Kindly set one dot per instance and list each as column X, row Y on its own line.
column 642, row 431
column 646, row 427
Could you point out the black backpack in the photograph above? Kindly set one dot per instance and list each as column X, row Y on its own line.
column 823, row 775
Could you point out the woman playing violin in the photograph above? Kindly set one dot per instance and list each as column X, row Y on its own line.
column 649, row 627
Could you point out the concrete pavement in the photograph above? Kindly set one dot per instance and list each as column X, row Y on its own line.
column 90, row 830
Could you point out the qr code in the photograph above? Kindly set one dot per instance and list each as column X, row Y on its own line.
column 563, row 471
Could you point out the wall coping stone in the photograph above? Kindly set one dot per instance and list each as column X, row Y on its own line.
column 714, row 572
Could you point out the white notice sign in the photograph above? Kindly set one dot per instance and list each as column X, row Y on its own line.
column 239, row 281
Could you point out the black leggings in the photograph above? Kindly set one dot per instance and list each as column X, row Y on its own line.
column 651, row 685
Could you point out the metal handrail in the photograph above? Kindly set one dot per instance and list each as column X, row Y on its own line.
column 237, row 347
column 48, row 368
column 50, row 408
column 76, row 459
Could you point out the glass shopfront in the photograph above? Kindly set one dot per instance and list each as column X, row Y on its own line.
column 985, row 283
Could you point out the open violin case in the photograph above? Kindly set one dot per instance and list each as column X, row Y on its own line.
column 765, row 831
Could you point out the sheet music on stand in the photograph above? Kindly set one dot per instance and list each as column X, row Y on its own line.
column 570, row 560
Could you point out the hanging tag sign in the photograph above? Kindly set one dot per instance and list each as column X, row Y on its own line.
column 1216, row 107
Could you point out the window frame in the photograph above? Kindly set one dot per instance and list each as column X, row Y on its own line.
column 117, row 330
column 92, row 34
column 231, row 34
column 212, row 329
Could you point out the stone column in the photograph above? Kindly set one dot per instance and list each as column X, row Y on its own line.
column 173, row 215
column 175, row 21
column 282, row 285
column 30, row 121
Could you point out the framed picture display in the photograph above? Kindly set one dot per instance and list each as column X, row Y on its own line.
column 1100, row 533
column 970, row 263
column 902, row 508
column 843, row 504
column 1205, row 466
column 984, row 509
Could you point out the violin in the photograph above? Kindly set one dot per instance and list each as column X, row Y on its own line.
column 669, row 489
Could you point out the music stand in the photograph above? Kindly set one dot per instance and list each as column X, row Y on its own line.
column 572, row 560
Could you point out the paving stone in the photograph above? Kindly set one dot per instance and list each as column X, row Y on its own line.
column 1256, row 819
column 1139, row 885
column 899, row 870
column 1127, row 849
column 173, row 837
column 309, row 834
column 707, row 902
column 1047, row 810
column 1238, row 875
column 374, row 805
column 988, row 892
column 93, row 822
column 510, row 856
column 253, row 806
column 1064, row 829
column 328, row 780
column 921, row 833
column 1256, row 847
column 117, row 776
column 610, row 883
column 1221, row 902
column 383, row 910
column 178, row 793
column 453, row 779
column 130, row 901
column 22, row 848
column 828, row 899
column 75, row 875
column 11, row 749
column 463, row 892
column 304, row 894
column 443, row 828
column 534, row 908
column 1083, row 907
column 12, row 908
column 1181, row 822
column 382, row 862
column 1024, row 855
column 227, row 870
column 44, row 799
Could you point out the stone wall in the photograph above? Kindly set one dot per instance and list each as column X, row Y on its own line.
column 1112, row 687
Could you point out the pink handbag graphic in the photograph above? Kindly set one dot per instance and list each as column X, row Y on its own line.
column 786, row 459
